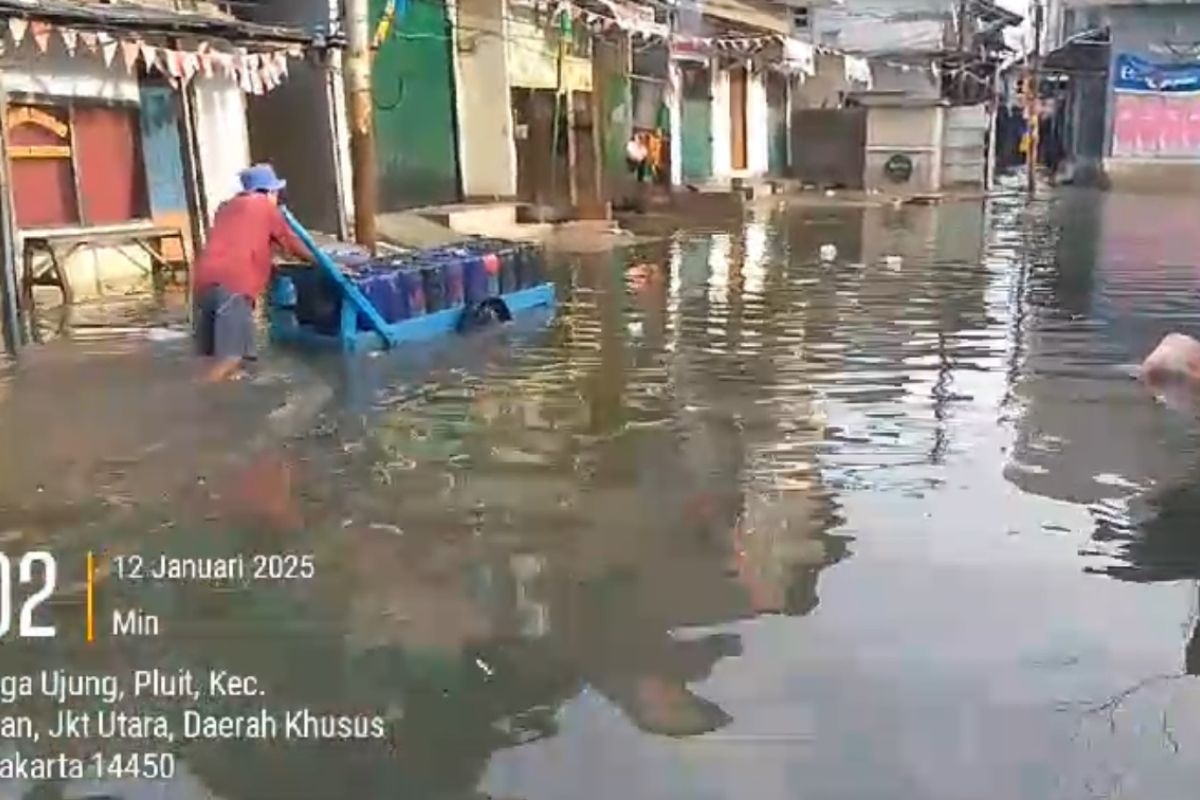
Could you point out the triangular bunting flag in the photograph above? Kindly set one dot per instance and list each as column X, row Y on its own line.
column 129, row 52
column 41, row 34
column 89, row 40
column 70, row 38
column 244, row 72
column 225, row 62
column 17, row 28
column 174, row 63
column 207, row 63
column 108, row 47
column 150, row 56
column 283, row 64
column 191, row 65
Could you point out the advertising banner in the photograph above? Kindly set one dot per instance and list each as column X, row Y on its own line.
column 1156, row 110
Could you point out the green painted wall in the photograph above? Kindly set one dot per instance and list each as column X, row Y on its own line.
column 777, row 128
column 414, row 109
column 696, row 125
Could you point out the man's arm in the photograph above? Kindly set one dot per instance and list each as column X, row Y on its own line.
column 286, row 239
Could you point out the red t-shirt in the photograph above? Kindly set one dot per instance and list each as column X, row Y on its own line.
column 244, row 233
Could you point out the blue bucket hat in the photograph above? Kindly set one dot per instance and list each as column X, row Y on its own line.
column 261, row 178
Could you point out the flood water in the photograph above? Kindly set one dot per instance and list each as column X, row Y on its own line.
column 733, row 523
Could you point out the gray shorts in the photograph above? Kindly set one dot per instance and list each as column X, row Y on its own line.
column 224, row 324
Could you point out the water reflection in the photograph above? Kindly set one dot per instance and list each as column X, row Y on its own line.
column 729, row 495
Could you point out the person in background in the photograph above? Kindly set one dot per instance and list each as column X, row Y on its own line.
column 234, row 268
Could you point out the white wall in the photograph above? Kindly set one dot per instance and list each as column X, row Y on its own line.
column 487, row 152
column 222, row 138
column 757, row 146
column 722, row 135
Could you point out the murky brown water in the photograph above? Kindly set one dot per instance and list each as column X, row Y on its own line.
column 733, row 524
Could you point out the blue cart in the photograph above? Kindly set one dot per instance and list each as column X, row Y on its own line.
column 421, row 297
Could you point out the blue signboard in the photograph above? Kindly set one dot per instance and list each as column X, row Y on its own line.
column 1133, row 74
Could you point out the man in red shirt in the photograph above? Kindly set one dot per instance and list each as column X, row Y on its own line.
column 234, row 268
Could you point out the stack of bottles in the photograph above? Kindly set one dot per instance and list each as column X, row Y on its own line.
column 405, row 286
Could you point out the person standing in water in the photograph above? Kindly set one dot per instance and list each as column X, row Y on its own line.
column 234, row 268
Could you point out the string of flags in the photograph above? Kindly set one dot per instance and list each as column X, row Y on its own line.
column 799, row 57
column 254, row 73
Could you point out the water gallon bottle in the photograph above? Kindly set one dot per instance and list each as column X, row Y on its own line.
column 433, row 284
column 376, row 285
column 475, row 279
column 283, row 293
column 282, row 301
column 408, row 285
column 508, row 269
column 491, row 266
column 452, row 278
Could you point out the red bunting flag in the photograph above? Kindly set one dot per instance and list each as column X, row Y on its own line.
column 41, row 34
column 129, row 52
column 173, row 59
column 191, row 65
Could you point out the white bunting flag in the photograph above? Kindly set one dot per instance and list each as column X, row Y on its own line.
column 17, row 28
column 89, row 40
column 70, row 38
column 225, row 62
column 108, row 47
column 242, row 65
column 150, row 56
column 283, row 64
column 206, row 63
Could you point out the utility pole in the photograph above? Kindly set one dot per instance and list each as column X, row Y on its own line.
column 10, row 315
column 962, row 49
column 357, row 68
column 1032, row 84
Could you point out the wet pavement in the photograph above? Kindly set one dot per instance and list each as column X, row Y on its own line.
column 733, row 524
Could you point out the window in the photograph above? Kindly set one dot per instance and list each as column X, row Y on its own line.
column 800, row 19
column 76, row 164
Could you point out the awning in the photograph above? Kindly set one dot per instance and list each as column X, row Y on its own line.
column 1085, row 53
column 123, row 15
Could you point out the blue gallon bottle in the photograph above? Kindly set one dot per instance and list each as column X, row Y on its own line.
column 433, row 285
column 508, row 269
column 452, row 279
column 475, row 279
column 407, row 281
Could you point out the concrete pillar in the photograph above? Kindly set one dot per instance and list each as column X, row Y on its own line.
column 675, row 110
